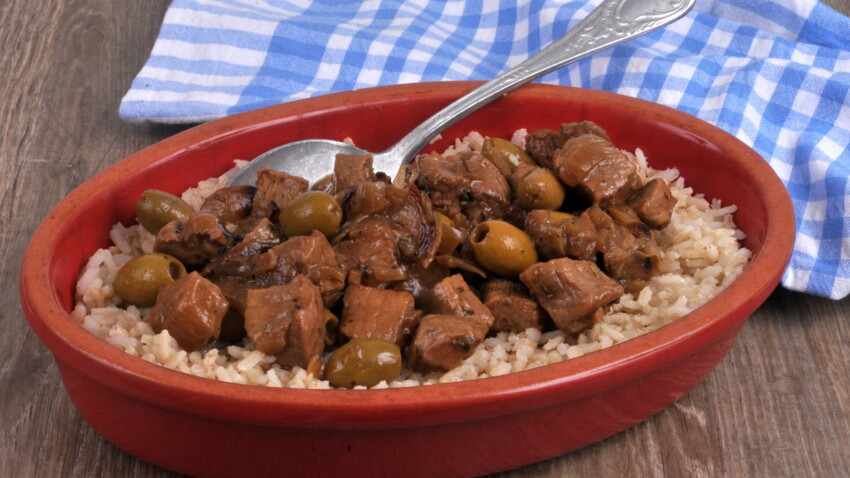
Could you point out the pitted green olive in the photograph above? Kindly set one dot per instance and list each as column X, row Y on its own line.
column 363, row 361
column 140, row 280
column 313, row 210
column 502, row 248
column 504, row 154
column 158, row 208
column 540, row 189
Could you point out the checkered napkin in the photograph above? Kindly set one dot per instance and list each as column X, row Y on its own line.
column 776, row 74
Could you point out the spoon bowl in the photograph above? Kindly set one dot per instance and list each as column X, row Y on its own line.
column 314, row 158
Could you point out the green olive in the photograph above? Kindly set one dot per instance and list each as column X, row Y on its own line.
column 504, row 154
column 502, row 248
column 540, row 189
column 158, row 208
column 363, row 361
column 140, row 280
column 313, row 210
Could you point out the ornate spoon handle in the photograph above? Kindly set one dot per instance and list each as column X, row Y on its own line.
column 611, row 23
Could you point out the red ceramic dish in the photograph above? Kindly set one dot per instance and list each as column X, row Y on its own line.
column 202, row 427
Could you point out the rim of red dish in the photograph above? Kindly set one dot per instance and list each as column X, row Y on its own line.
column 468, row 400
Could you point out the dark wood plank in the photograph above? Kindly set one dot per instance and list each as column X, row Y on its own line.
column 778, row 404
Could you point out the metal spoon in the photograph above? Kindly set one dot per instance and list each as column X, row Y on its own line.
column 611, row 23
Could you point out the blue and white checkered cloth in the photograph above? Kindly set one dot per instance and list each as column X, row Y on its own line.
column 776, row 74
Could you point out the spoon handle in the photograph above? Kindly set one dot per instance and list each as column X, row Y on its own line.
column 611, row 23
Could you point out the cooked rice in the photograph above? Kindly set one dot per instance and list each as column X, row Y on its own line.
column 701, row 255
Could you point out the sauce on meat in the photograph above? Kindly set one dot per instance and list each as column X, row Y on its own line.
column 400, row 267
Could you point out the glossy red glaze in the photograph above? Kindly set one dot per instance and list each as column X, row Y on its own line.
column 206, row 428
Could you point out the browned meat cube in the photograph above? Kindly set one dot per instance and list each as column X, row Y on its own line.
column 378, row 314
column 251, row 256
column 443, row 341
column 351, row 170
column 195, row 240
column 369, row 250
column 464, row 183
column 231, row 205
column 596, row 168
column 287, row 321
column 452, row 296
column 513, row 308
column 570, row 291
column 191, row 309
column 543, row 143
column 559, row 235
column 313, row 257
column 274, row 191
column 579, row 156
column 630, row 259
column 574, row 130
column 611, row 179
column 653, row 203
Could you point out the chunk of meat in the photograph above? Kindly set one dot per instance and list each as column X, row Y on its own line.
column 512, row 307
column 313, row 257
column 231, row 205
column 409, row 213
column 465, row 187
column 596, row 168
column 378, row 314
column 442, row 342
column 452, row 296
column 611, row 179
column 351, row 170
column 191, row 309
column 543, row 143
column 653, row 203
column 630, row 259
column 571, row 291
column 287, row 321
column 574, row 130
column 250, row 257
column 194, row 240
column 274, row 191
column 561, row 235
column 369, row 250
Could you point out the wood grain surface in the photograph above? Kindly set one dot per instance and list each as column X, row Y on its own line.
column 777, row 405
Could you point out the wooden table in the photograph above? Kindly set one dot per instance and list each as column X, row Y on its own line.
column 778, row 404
